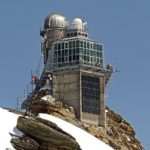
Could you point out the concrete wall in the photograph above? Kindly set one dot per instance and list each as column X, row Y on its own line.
column 66, row 88
column 94, row 118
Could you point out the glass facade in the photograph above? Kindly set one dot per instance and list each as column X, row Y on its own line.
column 77, row 52
column 90, row 94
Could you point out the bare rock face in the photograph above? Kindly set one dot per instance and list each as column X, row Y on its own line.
column 47, row 134
column 53, row 107
column 118, row 133
column 24, row 143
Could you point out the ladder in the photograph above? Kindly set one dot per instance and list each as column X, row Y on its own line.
column 33, row 96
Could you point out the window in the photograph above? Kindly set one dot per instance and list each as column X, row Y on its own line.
column 59, row 46
column 77, row 51
column 59, row 53
column 70, row 58
column 62, row 45
column 88, row 45
column 101, row 55
column 70, row 44
column 75, row 34
column 66, row 45
column 66, row 58
column 84, row 44
column 90, row 94
column 81, row 43
column 73, row 43
column 77, row 43
column 91, row 45
column 77, row 57
column 55, row 46
column 62, row 53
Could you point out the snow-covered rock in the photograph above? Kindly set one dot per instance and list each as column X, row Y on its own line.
column 85, row 140
column 7, row 127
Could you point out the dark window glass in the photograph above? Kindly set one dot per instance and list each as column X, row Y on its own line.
column 74, row 51
column 81, row 43
column 84, row 51
column 55, row 54
column 62, row 53
column 66, row 58
column 77, row 43
column 59, row 53
column 77, row 51
column 66, row 52
column 70, row 51
column 101, row 55
column 94, row 46
column 66, row 45
column 77, row 57
column 55, row 47
column 75, row 34
column 101, row 61
column 70, row 44
column 98, row 54
column 88, row 45
column 73, row 43
column 74, row 58
column 84, row 44
column 100, row 47
column 90, row 94
column 59, row 59
column 70, row 58
column 62, row 45
column 59, row 46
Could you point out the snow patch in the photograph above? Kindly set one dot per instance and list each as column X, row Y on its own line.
column 7, row 126
column 85, row 140
column 48, row 98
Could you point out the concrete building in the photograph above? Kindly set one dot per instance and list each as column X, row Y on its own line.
column 77, row 66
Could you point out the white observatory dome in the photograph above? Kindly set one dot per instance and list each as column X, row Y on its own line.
column 77, row 23
column 55, row 20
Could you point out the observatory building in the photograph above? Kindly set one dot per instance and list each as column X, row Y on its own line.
column 77, row 66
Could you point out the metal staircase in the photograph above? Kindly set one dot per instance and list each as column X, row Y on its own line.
column 34, row 95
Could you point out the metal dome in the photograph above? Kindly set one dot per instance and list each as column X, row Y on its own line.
column 77, row 23
column 55, row 20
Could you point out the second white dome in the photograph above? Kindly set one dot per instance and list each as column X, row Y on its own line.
column 77, row 23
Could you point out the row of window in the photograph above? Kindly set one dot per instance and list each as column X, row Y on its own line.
column 90, row 94
column 76, row 34
column 88, row 62
column 76, row 44
column 85, row 52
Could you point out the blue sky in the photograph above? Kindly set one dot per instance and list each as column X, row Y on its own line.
column 122, row 26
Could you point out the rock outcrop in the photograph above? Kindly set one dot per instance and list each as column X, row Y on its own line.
column 118, row 133
column 41, row 134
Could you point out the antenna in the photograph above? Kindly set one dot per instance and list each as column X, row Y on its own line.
column 17, row 103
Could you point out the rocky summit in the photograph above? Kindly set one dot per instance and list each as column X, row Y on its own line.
column 41, row 134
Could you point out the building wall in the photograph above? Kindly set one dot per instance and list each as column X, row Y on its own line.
column 66, row 87
column 97, row 119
